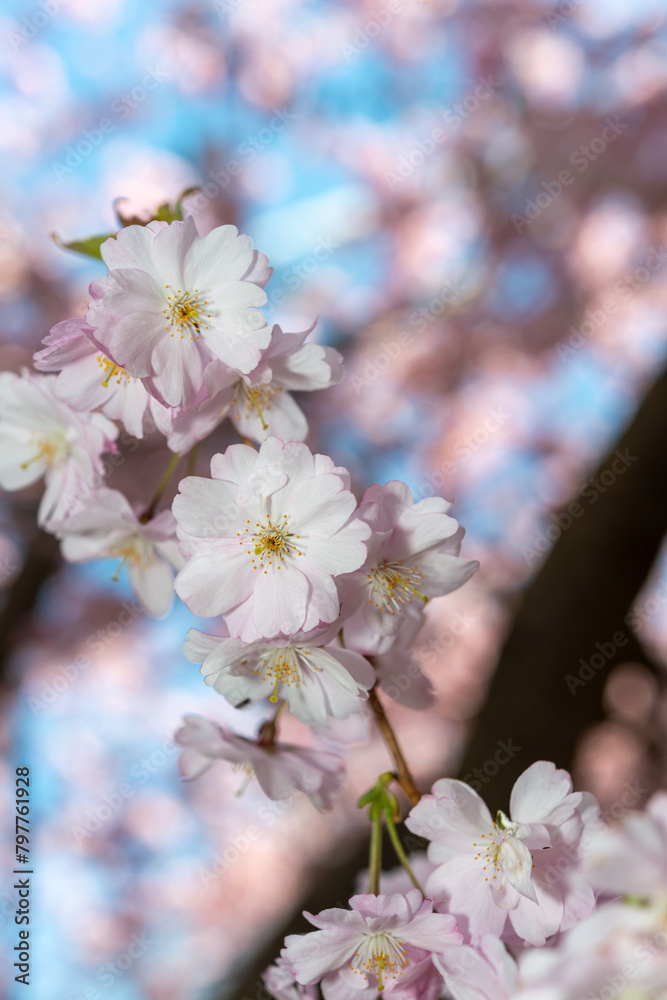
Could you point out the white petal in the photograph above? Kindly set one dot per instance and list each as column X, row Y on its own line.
column 516, row 862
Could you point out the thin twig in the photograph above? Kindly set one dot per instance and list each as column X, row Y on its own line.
column 403, row 775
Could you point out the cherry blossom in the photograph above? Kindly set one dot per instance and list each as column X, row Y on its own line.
column 383, row 943
column 258, row 403
column 317, row 678
column 106, row 527
column 174, row 300
column 261, row 404
column 413, row 555
column 631, row 858
column 619, row 951
column 265, row 538
column 88, row 379
column 509, row 868
column 42, row 436
column 485, row 972
column 278, row 767
column 615, row 952
column 399, row 676
column 279, row 980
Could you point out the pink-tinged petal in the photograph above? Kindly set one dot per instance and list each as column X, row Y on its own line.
column 134, row 339
column 432, row 931
column 343, row 552
column 211, row 586
column 131, row 248
column 153, row 585
column 295, row 458
column 310, row 367
column 444, row 573
column 199, row 645
column 323, row 603
column 315, row 954
column 535, row 922
column 67, row 342
column 322, row 512
column 192, row 764
column 16, row 450
column 282, row 418
column 356, row 665
column 415, row 532
column 454, row 815
column 259, row 271
column 128, row 292
column 395, row 496
column 220, row 255
column 178, row 369
column 237, row 462
column 258, row 486
column 470, row 898
column 516, row 862
column 280, row 601
column 578, row 901
column 273, row 778
column 207, row 508
column 487, row 972
column 238, row 339
column 128, row 404
column 414, row 689
column 171, row 247
column 204, row 743
column 540, row 793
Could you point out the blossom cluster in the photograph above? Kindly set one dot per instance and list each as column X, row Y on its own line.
column 309, row 584
column 318, row 597
column 495, row 892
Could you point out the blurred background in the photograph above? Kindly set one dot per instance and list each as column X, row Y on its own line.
column 472, row 198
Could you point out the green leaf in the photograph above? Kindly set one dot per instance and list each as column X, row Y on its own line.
column 87, row 248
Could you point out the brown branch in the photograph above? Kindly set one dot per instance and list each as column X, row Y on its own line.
column 403, row 775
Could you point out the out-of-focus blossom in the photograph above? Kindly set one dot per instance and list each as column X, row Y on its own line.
column 413, row 554
column 42, row 436
column 619, row 951
column 399, row 676
column 615, row 952
column 279, row 767
column 174, row 300
column 281, row 984
column 383, row 943
column 631, row 858
column 88, row 379
column 494, row 870
column 317, row 678
column 485, row 972
column 265, row 538
column 106, row 527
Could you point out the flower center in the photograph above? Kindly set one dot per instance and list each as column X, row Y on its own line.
column 51, row 449
column 249, row 775
column 502, row 830
column 132, row 550
column 282, row 667
column 488, row 852
column 111, row 370
column 186, row 314
column 258, row 398
column 394, row 584
column 381, row 955
column 269, row 543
